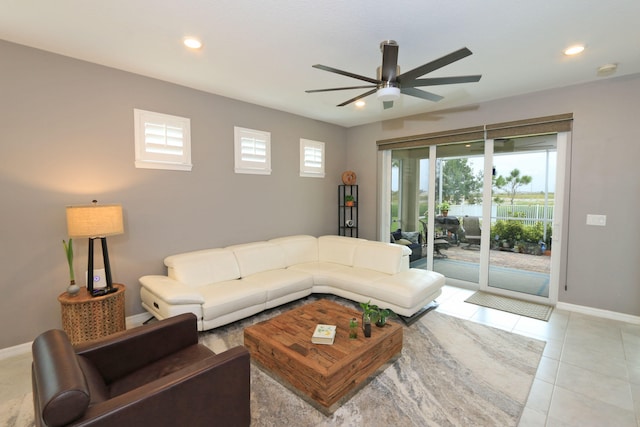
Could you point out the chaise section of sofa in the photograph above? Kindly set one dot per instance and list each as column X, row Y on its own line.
column 223, row 285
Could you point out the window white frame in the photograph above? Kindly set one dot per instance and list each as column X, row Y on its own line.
column 252, row 151
column 162, row 141
column 311, row 158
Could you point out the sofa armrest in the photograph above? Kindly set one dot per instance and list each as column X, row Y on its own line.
column 61, row 393
column 124, row 352
column 171, row 291
column 215, row 390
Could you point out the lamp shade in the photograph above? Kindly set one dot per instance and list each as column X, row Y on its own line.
column 94, row 220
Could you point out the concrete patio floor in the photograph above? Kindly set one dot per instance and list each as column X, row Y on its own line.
column 537, row 263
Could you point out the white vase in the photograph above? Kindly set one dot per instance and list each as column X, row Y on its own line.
column 73, row 289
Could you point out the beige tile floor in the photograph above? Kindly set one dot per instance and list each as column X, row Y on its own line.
column 589, row 374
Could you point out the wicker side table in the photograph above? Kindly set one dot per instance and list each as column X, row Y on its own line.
column 86, row 318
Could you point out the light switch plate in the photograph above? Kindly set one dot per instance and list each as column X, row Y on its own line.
column 600, row 220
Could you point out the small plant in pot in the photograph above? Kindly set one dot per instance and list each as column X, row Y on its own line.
column 369, row 313
column 383, row 315
column 349, row 200
column 444, row 208
column 73, row 289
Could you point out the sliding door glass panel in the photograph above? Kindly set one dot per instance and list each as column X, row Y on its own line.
column 409, row 192
column 458, row 210
column 522, row 214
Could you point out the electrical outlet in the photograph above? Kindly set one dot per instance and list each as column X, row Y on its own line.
column 600, row 220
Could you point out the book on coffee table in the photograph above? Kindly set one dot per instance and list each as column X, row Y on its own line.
column 324, row 334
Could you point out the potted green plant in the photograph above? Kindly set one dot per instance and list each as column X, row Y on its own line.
column 73, row 289
column 349, row 200
column 444, row 208
column 383, row 315
column 368, row 315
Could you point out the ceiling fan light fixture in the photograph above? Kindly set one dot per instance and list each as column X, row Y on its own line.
column 388, row 93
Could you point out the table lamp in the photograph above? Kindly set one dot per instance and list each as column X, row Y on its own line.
column 96, row 222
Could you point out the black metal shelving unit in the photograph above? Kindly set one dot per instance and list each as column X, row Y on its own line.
column 347, row 215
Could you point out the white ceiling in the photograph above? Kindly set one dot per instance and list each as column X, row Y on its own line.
column 261, row 51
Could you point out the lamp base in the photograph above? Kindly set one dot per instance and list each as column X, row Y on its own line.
column 101, row 292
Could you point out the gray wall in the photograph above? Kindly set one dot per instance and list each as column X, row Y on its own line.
column 603, row 263
column 67, row 138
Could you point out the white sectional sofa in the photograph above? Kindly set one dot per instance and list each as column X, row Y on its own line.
column 223, row 285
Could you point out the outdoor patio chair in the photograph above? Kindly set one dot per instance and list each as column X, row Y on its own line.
column 438, row 243
column 472, row 232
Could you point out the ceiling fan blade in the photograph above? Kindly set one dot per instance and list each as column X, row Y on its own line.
column 418, row 93
column 434, row 65
column 442, row 81
column 389, row 61
column 340, row 88
column 346, row 73
column 387, row 104
column 371, row 92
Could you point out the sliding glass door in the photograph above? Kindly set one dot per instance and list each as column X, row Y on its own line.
column 522, row 212
column 458, row 204
column 481, row 212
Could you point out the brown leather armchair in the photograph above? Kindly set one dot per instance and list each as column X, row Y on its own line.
column 155, row 374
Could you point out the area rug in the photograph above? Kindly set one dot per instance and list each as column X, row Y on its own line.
column 451, row 372
column 511, row 305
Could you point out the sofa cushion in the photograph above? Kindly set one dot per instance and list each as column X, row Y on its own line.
column 337, row 249
column 412, row 236
column 201, row 268
column 173, row 362
column 257, row 257
column 319, row 270
column 280, row 283
column 298, row 249
column 230, row 296
column 408, row 288
column 354, row 279
column 381, row 257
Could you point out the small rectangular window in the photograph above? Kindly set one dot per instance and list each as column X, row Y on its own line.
column 252, row 151
column 311, row 158
column 162, row 141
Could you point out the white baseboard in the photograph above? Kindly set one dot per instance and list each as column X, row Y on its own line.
column 21, row 349
column 597, row 312
column 137, row 320
column 17, row 350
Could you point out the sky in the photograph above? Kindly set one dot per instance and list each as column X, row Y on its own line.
column 532, row 164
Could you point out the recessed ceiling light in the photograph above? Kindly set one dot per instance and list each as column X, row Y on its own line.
column 574, row 50
column 607, row 70
column 192, row 43
column 360, row 103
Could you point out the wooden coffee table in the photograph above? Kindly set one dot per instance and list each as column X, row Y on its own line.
column 326, row 375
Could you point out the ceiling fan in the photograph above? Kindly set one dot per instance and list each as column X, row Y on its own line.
column 390, row 83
